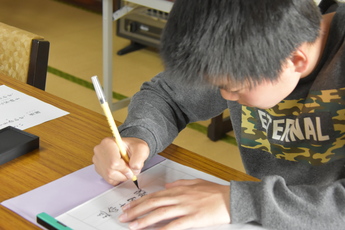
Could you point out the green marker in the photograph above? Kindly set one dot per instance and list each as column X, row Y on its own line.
column 50, row 222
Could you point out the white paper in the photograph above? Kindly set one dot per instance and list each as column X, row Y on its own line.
column 65, row 193
column 22, row 111
column 101, row 212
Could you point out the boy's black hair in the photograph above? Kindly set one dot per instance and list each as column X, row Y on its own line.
column 235, row 41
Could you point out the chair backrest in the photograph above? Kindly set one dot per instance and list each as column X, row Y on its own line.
column 23, row 55
column 328, row 6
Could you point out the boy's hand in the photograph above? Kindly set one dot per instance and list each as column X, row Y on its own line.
column 187, row 203
column 109, row 164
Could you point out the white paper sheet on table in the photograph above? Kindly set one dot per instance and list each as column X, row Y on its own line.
column 22, row 111
column 101, row 212
column 63, row 194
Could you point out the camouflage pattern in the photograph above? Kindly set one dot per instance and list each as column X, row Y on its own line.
column 308, row 130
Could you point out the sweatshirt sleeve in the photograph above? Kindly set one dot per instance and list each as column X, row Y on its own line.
column 162, row 108
column 277, row 206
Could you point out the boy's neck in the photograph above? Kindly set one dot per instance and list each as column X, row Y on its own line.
column 314, row 51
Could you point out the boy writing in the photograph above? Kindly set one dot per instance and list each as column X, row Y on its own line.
column 279, row 67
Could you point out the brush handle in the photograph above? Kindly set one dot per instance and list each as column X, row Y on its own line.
column 116, row 134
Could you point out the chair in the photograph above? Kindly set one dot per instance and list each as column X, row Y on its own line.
column 23, row 55
column 220, row 126
column 328, row 6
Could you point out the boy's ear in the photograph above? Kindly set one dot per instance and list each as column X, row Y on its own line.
column 299, row 60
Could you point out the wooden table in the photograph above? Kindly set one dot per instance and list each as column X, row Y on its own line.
column 66, row 145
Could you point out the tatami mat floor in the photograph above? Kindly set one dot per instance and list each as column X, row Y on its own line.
column 76, row 55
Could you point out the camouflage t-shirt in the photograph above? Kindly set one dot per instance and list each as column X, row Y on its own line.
column 309, row 125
